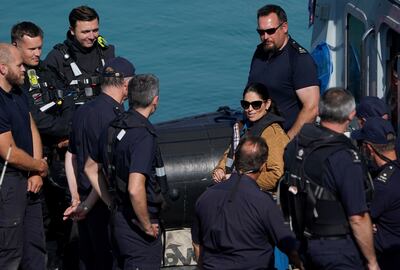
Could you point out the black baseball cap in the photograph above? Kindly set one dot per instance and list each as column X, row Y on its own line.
column 370, row 107
column 121, row 68
column 375, row 130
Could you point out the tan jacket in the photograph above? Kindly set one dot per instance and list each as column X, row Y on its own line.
column 276, row 139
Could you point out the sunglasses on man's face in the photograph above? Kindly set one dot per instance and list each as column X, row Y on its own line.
column 269, row 31
column 255, row 104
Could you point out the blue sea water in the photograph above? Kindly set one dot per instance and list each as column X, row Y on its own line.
column 200, row 50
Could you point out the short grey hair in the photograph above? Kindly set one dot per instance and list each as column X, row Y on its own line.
column 142, row 89
column 336, row 105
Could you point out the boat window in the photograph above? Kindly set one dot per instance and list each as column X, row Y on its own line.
column 354, row 37
column 393, row 72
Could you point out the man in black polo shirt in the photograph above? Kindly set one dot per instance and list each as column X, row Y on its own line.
column 286, row 69
column 21, row 223
column 236, row 224
column 89, row 120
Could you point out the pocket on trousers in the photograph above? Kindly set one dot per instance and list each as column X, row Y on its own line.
column 10, row 233
column 6, row 194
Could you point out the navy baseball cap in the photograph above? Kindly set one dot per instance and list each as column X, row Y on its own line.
column 371, row 107
column 375, row 130
column 121, row 68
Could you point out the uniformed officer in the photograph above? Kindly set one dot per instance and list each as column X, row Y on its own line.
column 21, row 224
column 28, row 38
column 52, row 113
column 327, row 180
column 76, row 64
column 236, row 224
column 378, row 137
column 371, row 106
column 129, row 153
column 89, row 120
column 286, row 69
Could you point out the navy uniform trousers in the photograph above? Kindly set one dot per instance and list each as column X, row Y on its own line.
column 22, row 243
column 340, row 254
column 90, row 229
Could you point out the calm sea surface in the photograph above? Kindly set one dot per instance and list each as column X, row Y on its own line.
column 200, row 50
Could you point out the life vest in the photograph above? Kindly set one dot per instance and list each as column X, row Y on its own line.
column 241, row 129
column 315, row 210
column 118, row 182
column 82, row 80
column 41, row 89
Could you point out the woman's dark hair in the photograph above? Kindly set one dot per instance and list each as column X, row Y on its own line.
column 261, row 90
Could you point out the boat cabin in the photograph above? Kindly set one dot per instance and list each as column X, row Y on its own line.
column 357, row 44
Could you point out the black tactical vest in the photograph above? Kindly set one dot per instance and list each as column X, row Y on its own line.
column 315, row 210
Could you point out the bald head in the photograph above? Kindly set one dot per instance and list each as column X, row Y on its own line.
column 251, row 154
column 11, row 67
column 6, row 53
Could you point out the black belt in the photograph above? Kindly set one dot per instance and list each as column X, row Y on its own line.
column 334, row 237
column 17, row 173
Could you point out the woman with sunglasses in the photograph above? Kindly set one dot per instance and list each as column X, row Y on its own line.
column 261, row 119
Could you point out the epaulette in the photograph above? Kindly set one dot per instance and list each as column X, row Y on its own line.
column 355, row 155
column 385, row 175
column 297, row 47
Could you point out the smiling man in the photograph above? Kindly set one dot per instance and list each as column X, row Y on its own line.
column 52, row 117
column 286, row 69
column 78, row 61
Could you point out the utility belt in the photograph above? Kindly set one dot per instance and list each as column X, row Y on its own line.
column 326, row 230
column 330, row 238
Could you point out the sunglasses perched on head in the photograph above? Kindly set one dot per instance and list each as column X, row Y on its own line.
column 269, row 31
column 254, row 104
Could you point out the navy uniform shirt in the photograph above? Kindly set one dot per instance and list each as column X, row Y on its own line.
column 88, row 122
column 135, row 153
column 14, row 117
column 283, row 73
column 240, row 234
column 385, row 211
column 345, row 177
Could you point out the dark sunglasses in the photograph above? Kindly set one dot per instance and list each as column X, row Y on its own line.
column 255, row 104
column 269, row 31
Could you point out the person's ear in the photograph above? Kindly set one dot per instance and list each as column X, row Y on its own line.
column 370, row 149
column 285, row 27
column 155, row 101
column 352, row 115
column 3, row 69
column 268, row 103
